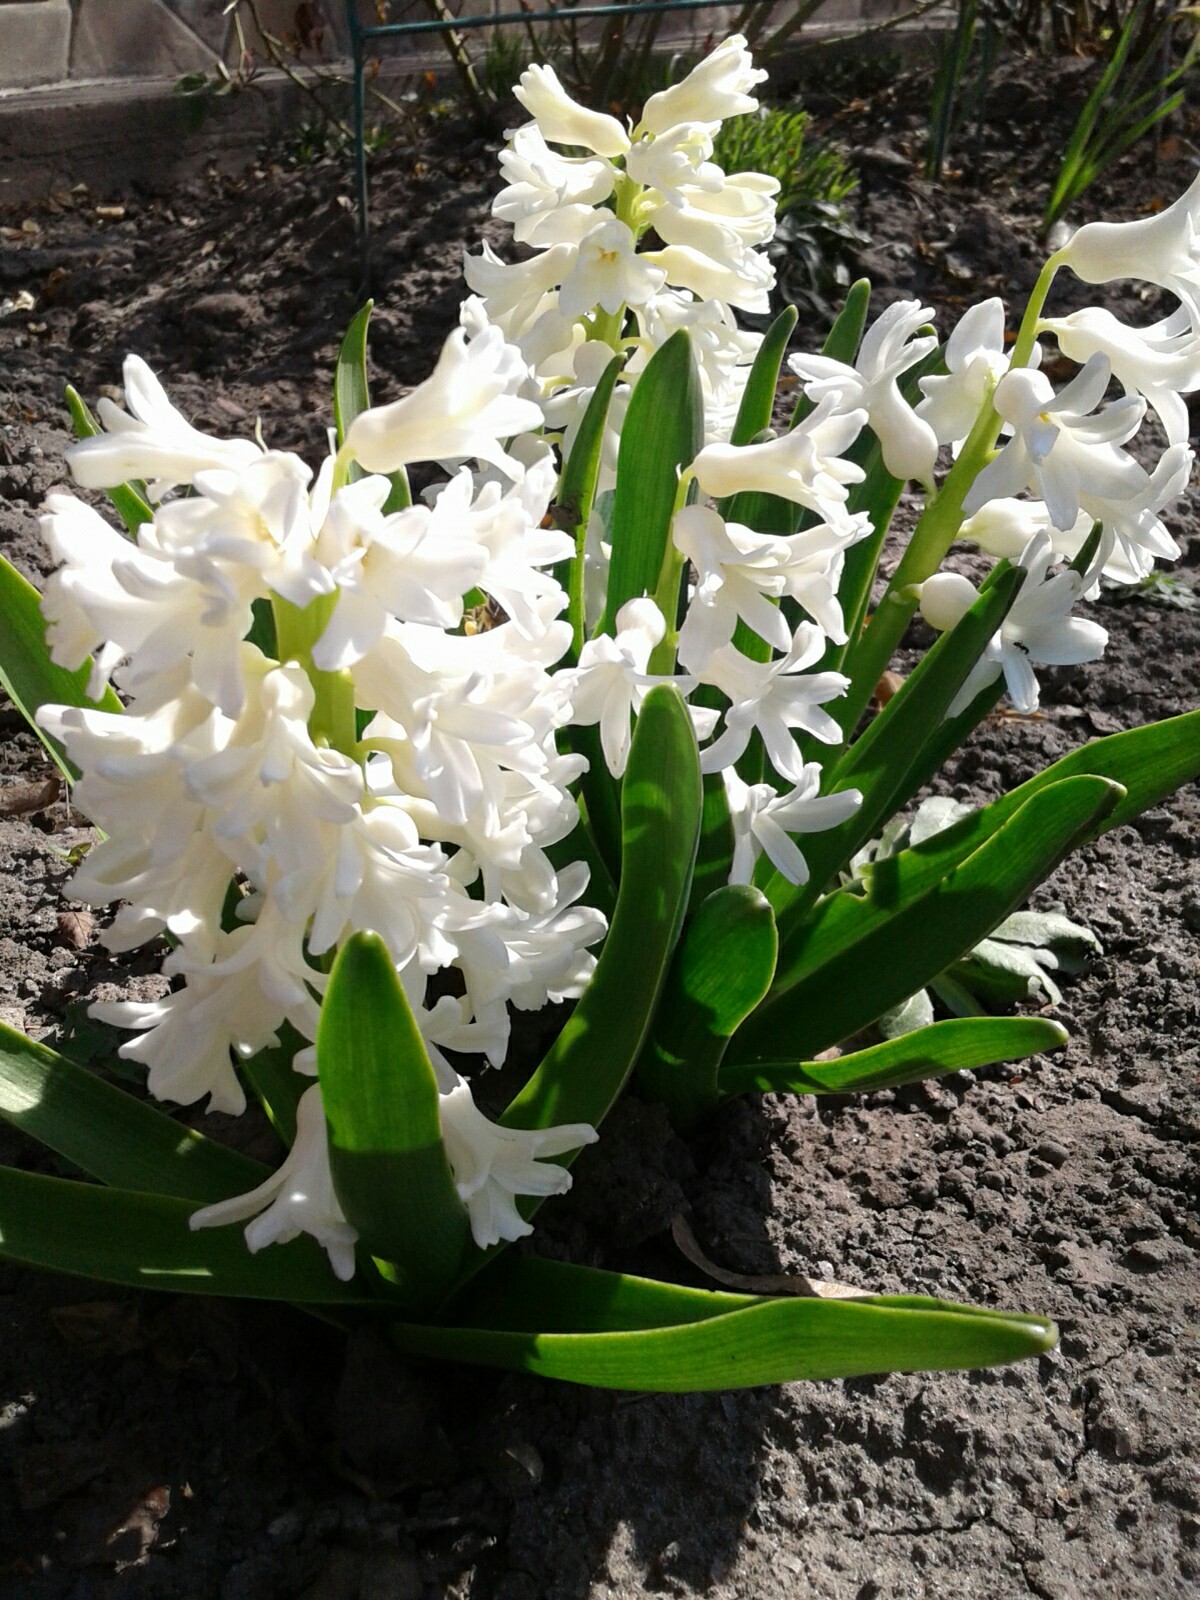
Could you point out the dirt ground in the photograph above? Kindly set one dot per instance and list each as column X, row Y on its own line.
column 154, row 1448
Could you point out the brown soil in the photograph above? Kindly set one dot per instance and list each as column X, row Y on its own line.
column 190, row 1450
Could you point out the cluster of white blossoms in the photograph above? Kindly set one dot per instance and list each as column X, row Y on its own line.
column 317, row 740
column 645, row 222
column 260, row 804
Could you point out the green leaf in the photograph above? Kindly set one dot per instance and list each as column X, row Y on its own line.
column 129, row 499
column 714, row 857
column 276, row 1083
column 590, row 1061
column 662, row 433
column 389, row 1164
column 144, row 1242
column 882, row 761
column 352, row 396
column 758, row 397
column 106, row 1132
column 722, row 969
column 1149, row 763
column 577, row 490
column 926, row 1053
column 617, row 1332
column 843, row 339
column 29, row 677
column 859, row 954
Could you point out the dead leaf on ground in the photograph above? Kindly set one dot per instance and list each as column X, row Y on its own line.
column 75, row 928
column 774, row 1283
column 19, row 799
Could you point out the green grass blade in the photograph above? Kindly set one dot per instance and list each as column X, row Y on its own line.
column 1148, row 763
column 144, row 1242
column 962, row 1043
column 28, row 676
column 351, row 395
column 577, row 491
column 758, row 397
column 389, row 1164
column 107, row 1133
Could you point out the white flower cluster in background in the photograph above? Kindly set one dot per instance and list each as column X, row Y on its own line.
column 645, row 221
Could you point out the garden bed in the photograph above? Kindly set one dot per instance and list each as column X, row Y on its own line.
column 182, row 1448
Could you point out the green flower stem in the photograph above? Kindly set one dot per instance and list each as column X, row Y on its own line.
column 934, row 533
column 666, row 595
column 332, row 722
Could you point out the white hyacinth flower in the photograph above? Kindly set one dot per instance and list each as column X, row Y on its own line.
column 297, row 1198
column 1161, row 363
column 151, row 441
column 805, row 465
column 889, row 348
column 773, row 698
column 1038, row 631
column 1163, row 249
column 1061, row 448
column 764, row 820
column 463, row 410
column 611, row 680
column 608, row 272
column 975, row 363
column 563, row 120
column 492, row 1165
column 717, row 87
column 739, row 572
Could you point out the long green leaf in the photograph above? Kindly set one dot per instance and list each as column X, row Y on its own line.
column 758, row 397
column 589, row 1063
column 721, row 971
column 618, row 1332
column 962, row 1043
column 144, row 1242
column 106, row 1132
column 29, row 678
column 662, row 433
column 389, row 1164
column 351, row 395
column 864, row 953
column 129, row 499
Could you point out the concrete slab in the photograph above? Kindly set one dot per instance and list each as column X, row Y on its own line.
column 134, row 39
column 35, row 42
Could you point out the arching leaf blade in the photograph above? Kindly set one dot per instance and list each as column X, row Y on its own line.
column 961, row 1043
